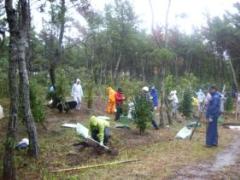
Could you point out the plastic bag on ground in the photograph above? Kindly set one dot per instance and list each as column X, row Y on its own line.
column 184, row 133
column 1, row 112
column 82, row 130
column 103, row 117
column 69, row 125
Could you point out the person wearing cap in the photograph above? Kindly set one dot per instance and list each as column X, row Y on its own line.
column 77, row 93
column 119, row 97
column 174, row 102
column 212, row 115
column 99, row 130
column 149, row 99
column 111, row 105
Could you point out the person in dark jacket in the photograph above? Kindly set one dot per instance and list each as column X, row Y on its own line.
column 212, row 115
column 154, row 95
column 119, row 102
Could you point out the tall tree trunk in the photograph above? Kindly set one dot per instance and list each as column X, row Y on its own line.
column 166, row 23
column 9, row 170
column 143, row 64
column 52, row 74
column 24, row 80
column 168, row 110
column 117, row 67
column 29, row 48
column 236, row 85
column 161, row 115
column 58, row 51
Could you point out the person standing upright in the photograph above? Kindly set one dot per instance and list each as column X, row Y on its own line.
column 201, row 97
column 111, row 105
column 174, row 103
column 154, row 95
column 119, row 102
column 212, row 114
column 77, row 93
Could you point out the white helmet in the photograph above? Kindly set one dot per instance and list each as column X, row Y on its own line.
column 145, row 88
column 173, row 92
column 78, row 80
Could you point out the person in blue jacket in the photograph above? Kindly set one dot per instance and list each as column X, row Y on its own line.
column 212, row 115
column 154, row 96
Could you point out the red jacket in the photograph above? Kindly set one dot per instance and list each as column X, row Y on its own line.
column 119, row 98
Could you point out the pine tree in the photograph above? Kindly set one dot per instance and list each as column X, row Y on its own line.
column 89, row 94
column 186, row 105
column 36, row 103
column 229, row 104
column 142, row 114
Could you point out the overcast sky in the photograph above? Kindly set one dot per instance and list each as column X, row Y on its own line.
column 194, row 12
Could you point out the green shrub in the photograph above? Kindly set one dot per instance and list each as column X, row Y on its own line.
column 142, row 114
column 186, row 104
column 169, row 83
column 4, row 90
column 89, row 94
column 62, row 86
column 130, row 87
column 229, row 104
column 37, row 106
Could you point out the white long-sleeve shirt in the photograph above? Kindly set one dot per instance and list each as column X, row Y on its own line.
column 77, row 91
column 201, row 96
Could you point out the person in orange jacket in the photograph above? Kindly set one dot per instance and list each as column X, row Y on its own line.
column 111, row 106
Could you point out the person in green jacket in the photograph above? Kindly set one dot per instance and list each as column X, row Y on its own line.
column 99, row 130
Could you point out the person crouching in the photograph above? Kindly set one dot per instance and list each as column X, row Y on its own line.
column 99, row 130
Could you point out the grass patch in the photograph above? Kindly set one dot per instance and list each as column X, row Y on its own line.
column 161, row 155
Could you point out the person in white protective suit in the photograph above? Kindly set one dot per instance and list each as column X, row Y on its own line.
column 174, row 102
column 77, row 93
column 201, row 97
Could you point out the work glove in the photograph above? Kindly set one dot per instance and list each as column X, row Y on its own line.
column 210, row 119
column 101, row 143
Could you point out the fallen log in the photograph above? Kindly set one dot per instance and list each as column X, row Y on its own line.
column 94, row 166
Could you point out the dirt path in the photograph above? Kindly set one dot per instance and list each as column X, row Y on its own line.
column 226, row 165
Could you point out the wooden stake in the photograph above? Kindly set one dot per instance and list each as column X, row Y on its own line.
column 93, row 166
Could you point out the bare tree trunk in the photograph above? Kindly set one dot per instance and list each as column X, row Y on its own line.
column 29, row 48
column 117, row 67
column 236, row 84
column 58, row 50
column 167, row 111
column 164, row 103
column 52, row 74
column 24, row 80
column 9, row 170
column 161, row 115
column 166, row 23
column 151, row 7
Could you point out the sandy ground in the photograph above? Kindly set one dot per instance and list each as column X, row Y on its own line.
column 226, row 165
